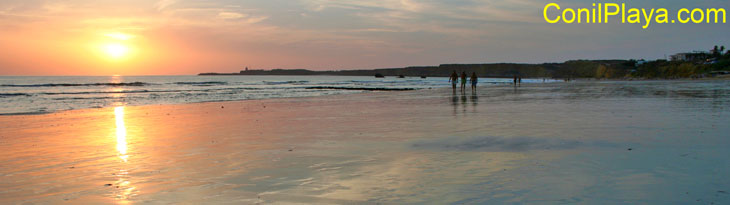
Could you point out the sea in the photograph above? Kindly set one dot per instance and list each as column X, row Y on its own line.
column 46, row 94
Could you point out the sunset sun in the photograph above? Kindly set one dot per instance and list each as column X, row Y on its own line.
column 117, row 45
column 116, row 50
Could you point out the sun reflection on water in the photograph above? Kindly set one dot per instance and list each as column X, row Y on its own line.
column 121, row 133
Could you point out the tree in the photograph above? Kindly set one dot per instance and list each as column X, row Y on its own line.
column 601, row 72
column 630, row 63
column 722, row 49
column 715, row 50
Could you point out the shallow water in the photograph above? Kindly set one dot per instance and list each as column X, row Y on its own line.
column 38, row 94
column 581, row 142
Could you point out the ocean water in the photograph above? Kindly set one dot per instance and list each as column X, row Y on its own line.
column 37, row 95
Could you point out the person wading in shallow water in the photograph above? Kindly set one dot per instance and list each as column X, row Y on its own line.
column 453, row 79
column 463, row 81
column 473, row 82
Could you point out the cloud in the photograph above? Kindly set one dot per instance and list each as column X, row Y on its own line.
column 252, row 20
column 226, row 15
column 163, row 4
column 230, row 15
column 464, row 18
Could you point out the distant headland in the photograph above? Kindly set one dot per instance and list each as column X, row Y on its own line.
column 497, row 70
column 682, row 65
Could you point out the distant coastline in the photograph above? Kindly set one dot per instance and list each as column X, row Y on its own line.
column 568, row 69
column 698, row 64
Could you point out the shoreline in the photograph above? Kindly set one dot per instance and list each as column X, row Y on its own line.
column 365, row 91
column 38, row 95
column 373, row 90
column 192, row 103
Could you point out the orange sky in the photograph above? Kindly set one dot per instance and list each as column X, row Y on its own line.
column 53, row 37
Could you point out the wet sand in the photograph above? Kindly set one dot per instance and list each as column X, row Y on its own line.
column 581, row 142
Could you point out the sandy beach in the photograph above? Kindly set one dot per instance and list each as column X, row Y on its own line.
column 600, row 142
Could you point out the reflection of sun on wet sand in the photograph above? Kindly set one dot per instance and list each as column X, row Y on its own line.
column 121, row 133
column 585, row 142
column 122, row 183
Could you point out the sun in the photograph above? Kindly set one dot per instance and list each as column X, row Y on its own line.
column 116, row 50
column 116, row 46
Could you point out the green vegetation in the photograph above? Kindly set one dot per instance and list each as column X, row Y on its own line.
column 692, row 65
column 669, row 69
column 596, row 69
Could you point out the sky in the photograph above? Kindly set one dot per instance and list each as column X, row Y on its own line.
column 185, row 37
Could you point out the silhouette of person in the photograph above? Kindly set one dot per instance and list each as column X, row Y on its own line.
column 514, row 80
column 473, row 81
column 453, row 79
column 463, row 81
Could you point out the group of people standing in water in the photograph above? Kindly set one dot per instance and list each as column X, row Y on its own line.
column 454, row 79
